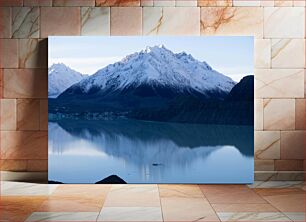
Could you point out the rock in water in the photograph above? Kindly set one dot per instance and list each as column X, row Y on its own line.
column 54, row 182
column 114, row 179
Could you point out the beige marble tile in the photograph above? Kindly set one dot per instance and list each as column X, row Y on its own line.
column 130, row 214
column 220, row 3
column 277, row 184
column 264, row 207
column 123, row 3
column 284, row 3
column 41, row 177
column 253, row 216
column 278, row 22
column 258, row 124
column 63, row 216
column 146, row 2
column 133, row 196
column 37, row 165
column 18, row 208
column 1, row 83
column 5, row 3
column 8, row 53
column 305, row 83
column 283, row 50
column 37, row 2
column 5, row 22
column 71, row 204
column 279, row 83
column 25, row 22
column 286, row 200
column 177, row 190
column 295, row 216
column 289, row 165
column 95, row 21
column 162, row 3
column 171, row 21
column 279, row 114
column 299, row 3
column 27, row 114
column 92, row 191
column 43, row 114
column 73, row 2
column 13, row 165
column 126, row 21
column 262, row 53
column 279, row 175
column 232, row 21
column 25, row 83
column 300, row 114
column 51, row 17
column 292, row 144
column 229, row 194
column 263, row 165
column 267, row 3
column 22, row 144
column 9, row 188
column 186, row 3
column 280, row 191
column 33, row 53
column 267, row 145
column 8, row 114
column 246, row 3
column 187, row 209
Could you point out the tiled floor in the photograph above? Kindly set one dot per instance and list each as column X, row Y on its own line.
column 268, row 201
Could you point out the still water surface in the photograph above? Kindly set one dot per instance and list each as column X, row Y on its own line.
column 84, row 151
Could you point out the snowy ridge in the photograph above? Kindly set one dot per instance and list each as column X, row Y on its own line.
column 61, row 77
column 158, row 66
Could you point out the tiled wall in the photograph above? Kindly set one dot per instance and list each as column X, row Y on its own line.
column 278, row 26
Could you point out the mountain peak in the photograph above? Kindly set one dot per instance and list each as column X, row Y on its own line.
column 61, row 77
column 59, row 64
column 59, row 67
column 149, row 49
column 157, row 65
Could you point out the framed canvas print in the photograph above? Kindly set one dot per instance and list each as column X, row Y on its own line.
column 151, row 109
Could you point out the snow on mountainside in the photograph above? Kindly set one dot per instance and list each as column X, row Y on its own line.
column 61, row 77
column 156, row 84
column 158, row 66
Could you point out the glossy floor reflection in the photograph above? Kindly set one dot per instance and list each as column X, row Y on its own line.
column 262, row 201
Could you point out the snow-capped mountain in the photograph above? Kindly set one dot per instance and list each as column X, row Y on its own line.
column 61, row 77
column 157, row 66
column 156, row 84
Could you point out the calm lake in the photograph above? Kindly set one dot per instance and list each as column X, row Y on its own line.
column 87, row 151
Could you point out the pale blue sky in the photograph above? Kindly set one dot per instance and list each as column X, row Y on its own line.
column 232, row 56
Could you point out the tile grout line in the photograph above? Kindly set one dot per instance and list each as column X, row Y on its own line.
column 209, row 203
column 161, row 209
column 104, row 202
column 267, row 202
column 278, row 210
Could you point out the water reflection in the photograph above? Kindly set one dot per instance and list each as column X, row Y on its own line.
column 142, row 151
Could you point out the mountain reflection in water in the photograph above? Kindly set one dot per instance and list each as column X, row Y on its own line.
column 153, row 152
